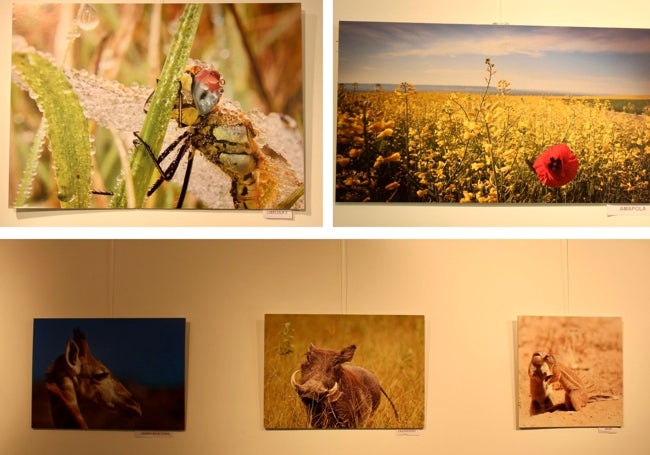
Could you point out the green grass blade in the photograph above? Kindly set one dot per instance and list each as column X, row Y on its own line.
column 292, row 198
column 24, row 191
column 66, row 124
column 155, row 124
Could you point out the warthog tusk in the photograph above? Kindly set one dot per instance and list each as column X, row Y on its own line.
column 332, row 391
column 294, row 384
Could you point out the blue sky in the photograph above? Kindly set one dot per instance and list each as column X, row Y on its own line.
column 149, row 351
column 562, row 59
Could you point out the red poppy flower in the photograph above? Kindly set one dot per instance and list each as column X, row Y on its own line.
column 556, row 166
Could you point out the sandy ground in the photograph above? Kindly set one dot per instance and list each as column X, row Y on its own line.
column 592, row 347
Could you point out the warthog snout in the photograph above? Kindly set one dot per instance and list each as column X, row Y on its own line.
column 336, row 395
column 313, row 390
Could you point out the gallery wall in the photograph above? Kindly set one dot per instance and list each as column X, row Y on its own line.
column 469, row 291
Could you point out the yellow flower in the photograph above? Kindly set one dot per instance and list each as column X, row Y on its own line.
column 471, row 126
column 467, row 197
column 394, row 158
column 386, row 133
column 354, row 153
column 392, row 186
column 381, row 125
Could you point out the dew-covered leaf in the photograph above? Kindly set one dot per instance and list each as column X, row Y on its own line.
column 67, row 126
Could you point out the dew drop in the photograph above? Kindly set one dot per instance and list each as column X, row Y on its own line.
column 64, row 196
column 32, row 94
column 73, row 35
column 87, row 17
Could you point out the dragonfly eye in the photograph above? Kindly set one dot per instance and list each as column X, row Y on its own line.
column 207, row 88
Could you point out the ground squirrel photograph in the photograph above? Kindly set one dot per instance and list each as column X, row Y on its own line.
column 570, row 371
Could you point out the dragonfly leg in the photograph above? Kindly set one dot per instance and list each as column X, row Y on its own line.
column 186, row 179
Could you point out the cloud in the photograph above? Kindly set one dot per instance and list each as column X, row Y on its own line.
column 391, row 40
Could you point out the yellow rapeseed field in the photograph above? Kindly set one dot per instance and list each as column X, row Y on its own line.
column 409, row 146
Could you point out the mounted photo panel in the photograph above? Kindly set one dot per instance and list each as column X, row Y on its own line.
column 343, row 371
column 570, row 371
column 206, row 114
column 492, row 114
column 109, row 374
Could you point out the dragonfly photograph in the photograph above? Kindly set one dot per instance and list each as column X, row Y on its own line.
column 471, row 114
column 157, row 106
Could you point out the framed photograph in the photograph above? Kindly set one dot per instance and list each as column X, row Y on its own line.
column 343, row 371
column 570, row 371
column 109, row 374
column 157, row 106
column 467, row 114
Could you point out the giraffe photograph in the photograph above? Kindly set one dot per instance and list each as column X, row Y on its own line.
column 570, row 371
column 109, row 374
column 343, row 371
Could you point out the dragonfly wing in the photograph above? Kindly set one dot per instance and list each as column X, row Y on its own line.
column 119, row 107
column 207, row 183
column 283, row 154
column 109, row 103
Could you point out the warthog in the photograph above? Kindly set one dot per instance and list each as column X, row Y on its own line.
column 337, row 395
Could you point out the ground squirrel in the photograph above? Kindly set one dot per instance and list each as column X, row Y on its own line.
column 544, row 371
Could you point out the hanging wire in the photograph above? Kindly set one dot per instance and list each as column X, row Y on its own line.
column 344, row 279
column 566, row 291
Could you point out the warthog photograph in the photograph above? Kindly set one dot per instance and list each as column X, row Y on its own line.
column 375, row 381
column 337, row 395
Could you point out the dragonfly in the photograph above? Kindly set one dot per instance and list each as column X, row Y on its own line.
column 225, row 137
column 246, row 160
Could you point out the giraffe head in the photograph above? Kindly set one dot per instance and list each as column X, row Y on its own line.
column 77, row 376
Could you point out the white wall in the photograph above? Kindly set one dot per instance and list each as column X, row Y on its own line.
column 470, row 291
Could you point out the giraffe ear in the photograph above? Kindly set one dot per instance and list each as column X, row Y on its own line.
column 72, row 356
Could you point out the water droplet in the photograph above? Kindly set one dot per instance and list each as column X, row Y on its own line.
column 65, row 196
column 87, row 17
column 73, row 35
